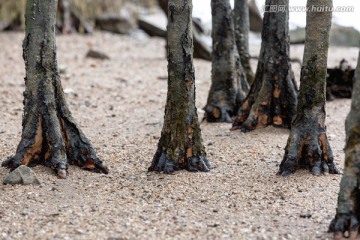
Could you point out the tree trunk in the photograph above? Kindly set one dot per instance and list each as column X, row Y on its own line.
column 180, row 145
column 50, row 135
column 348, row 210
column 242, row 27
column 272, row 97
column 227, row 74
column 64, row 9
column 308, row 146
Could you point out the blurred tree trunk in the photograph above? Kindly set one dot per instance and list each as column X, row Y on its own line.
column 242, row 28
column 226, row 74
column 64, row 9
column 180, row 145
column 348, row 208
column 308, row 145
column 50, row 135
column 201, row 49
column 272, row 97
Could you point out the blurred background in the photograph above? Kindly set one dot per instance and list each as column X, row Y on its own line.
column 140, row 18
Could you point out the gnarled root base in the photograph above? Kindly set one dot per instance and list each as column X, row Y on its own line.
column 248, row 120
column 307, row 149
column 162, row 163
column 40, row 147
column 217, row 114
column 344, row 226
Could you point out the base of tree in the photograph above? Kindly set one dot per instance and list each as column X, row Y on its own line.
column 217, row 114
column 345, row 226
column 162, row 163
column 307, row 148
column 39, row 147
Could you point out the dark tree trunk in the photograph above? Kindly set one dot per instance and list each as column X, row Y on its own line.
column 272, row 97
column 242, row 27
column 227, row 77
column 348, row 209
column 308, row 146
column 50, row 135
column 180, row 145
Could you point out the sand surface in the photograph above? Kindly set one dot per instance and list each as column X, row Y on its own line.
column 119, row 104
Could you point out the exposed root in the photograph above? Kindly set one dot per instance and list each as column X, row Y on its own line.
column 216, row 114
column 39, row 150
column 344, row 226
column 162, row 163
column 307, row 150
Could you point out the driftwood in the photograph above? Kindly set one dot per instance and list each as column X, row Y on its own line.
column 339, row 81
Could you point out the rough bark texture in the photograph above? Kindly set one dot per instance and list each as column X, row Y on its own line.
column 180, row 145
column 348, row 209
column 50, row 135
column 227, row 77
column 242, row 28
column 308, row 146
column 272, row 97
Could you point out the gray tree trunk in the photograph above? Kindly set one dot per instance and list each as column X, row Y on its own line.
column 228, row 81
column 242, row 28
column 308, row 145
column 50, row 135
column 272, row 97
column 348, row 209
column 180, row 145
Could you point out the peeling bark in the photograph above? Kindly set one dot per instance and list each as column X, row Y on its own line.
column 50, row 135
column 347, row 216
column 272, row 97
column 180, row 145
column 308, row 146
column 242, row 28
column 228, row 81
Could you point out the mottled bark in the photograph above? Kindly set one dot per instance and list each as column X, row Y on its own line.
column 348, row 209
column 308, row 145
column 180, row 145
column 227, row 76
column 242, row 28
column 50, row 135
column 272, row 97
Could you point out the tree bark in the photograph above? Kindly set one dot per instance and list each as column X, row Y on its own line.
column 348, row 209
column 272, row 97
column 242, row 28
column 308, row 146
column 180, row 145
column 227, row 76
column 50, row 135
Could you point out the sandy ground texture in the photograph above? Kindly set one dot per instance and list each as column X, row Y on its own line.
column 119, row 104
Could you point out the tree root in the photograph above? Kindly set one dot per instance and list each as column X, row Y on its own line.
column 39, row 147
column 307, row 150
column 162, row 163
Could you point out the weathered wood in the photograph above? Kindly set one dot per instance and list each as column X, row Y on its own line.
column 223, row 99
column 348, row 208
column 180, row 145
column 272, row 97
column 347, row 216
column 50, row 135
column 308, row 145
